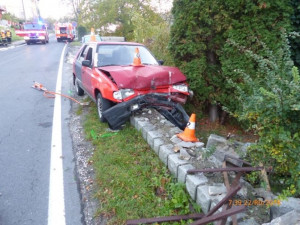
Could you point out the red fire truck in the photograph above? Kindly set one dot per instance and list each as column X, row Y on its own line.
column 34, row 32
column 64, row 32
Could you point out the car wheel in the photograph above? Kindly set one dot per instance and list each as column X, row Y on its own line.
column 79, row 90
column 102, row 105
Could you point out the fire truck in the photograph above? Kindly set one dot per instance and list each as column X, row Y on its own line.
column 64, row 32
column 34, row 32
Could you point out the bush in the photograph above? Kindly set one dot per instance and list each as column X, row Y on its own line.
column 271, row 106
column 198, row 41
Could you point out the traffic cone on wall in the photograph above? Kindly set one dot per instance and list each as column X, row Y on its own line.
column 93, row 37
column 189, row 132
column 137, row 58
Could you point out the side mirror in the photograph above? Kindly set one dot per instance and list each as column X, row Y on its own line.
column 161, row 62
column 86, row 63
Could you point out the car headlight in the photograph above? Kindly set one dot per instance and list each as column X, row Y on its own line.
column 42, row 37
column 26, row 38
column 181, row 87
column 123, row 93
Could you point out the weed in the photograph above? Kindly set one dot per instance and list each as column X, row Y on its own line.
column 79, row 111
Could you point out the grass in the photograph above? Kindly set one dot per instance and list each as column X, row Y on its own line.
column 132, row 182
column 76, row 43
column 15, row 37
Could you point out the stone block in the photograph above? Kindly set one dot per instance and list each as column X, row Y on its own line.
column 182, row 172
column 292, row 217
column 187, row 144
column 140, row 123
column 184, row 154
column 250, row 221
column 285, row 206
column 145, row 129
column 199, row 144
column 215, row 200
column 203, row 198
column 164, row 152
column 217, row 189
column 174, row 162
column 174, row 131
column 175, row 139
column 157, row 142
column 215, row 140
column 132, row 121
column 193, row 181
column 153, row 135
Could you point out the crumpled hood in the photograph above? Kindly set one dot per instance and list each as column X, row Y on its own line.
column 144, row 77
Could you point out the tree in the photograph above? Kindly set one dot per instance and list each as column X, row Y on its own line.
column 198, row 41
column 295, row 41
column 108, row 14
column 76, row 6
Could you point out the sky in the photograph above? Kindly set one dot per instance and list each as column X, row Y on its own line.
column 48, row 8
column 55, row 9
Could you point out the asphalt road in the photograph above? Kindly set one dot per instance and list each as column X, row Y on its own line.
column 26, row 122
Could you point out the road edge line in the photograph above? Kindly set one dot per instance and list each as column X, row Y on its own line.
column 56, row 204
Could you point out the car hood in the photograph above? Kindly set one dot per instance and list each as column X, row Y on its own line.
column 144, row 77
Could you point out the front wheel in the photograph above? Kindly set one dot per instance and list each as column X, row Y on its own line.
column 102, row 105
column 79, row 90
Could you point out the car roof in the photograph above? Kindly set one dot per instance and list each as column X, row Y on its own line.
column 114, row 43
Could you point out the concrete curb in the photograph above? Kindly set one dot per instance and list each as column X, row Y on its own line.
column 160, row 141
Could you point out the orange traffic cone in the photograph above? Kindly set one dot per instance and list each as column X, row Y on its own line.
column 189, row 132
column 93, row 37
column 137, row 58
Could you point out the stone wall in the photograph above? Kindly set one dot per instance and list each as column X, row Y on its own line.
column 208, row 189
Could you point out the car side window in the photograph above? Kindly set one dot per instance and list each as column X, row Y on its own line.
column 83, row 53
column 89, row 55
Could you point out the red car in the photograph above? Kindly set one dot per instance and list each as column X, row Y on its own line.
column 106, row 72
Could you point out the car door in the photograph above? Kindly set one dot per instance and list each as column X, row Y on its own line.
column 78, row 64
column 87, row 72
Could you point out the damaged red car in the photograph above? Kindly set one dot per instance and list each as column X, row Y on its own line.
column 106, row 71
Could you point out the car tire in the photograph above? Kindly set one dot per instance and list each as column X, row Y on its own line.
column 102, row 105
column 78, row 89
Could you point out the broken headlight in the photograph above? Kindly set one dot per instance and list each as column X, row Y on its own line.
column 181, row 87
column 123, row 93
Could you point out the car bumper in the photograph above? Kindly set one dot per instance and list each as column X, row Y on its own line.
column 117, row 115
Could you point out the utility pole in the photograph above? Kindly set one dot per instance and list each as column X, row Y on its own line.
column 24, row 10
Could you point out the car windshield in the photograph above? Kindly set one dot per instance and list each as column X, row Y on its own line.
column 122, row 55
column 32, row 26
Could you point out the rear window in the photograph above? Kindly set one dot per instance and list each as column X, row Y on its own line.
column 121, row 55
column 63, row 30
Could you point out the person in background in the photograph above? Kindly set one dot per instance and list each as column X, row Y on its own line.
column 3, row 37
column 8, row 36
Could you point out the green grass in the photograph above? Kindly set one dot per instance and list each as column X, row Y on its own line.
column 15, row 37
column 76, row 43
column 132, row 182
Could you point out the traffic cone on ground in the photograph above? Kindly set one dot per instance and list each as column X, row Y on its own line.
column 93, row 37
column 189, row 132
column 137, row 58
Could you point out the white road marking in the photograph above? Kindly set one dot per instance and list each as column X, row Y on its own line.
column 10, row 47
column 56, row 210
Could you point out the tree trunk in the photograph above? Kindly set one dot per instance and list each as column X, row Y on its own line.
column 213, row 113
